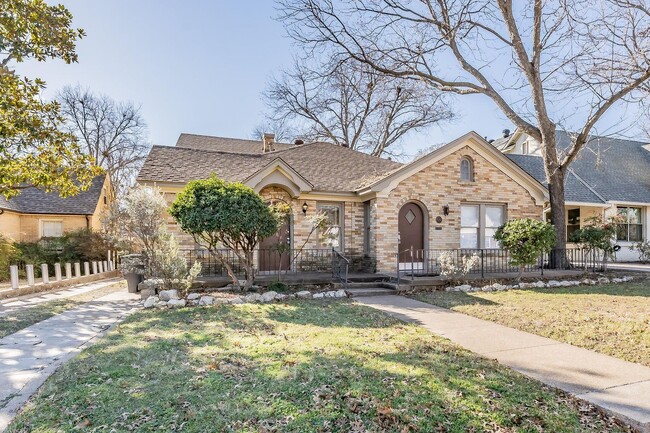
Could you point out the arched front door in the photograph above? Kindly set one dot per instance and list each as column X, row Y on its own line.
column 411, row 232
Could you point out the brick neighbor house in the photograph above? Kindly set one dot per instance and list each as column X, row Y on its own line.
column 454, row 197
column 36, row 214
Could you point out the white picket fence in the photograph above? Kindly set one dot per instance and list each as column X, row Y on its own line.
column 97, row 267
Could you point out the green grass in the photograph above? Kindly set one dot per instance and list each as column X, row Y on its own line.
column 22, row 318
column 610, row 319
column 300, row 367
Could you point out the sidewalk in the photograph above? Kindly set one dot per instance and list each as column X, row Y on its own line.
column 620, row 387
column 11, row 305
column 31, row 355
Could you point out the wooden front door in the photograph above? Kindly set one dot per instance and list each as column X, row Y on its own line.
column 411, row 232
column 275, row 251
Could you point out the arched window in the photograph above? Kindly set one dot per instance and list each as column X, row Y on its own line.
column 466, row 170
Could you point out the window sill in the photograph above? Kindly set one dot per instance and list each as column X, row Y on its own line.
column 466, row 182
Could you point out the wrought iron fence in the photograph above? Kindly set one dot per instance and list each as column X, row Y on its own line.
column 493, row 261
column 340, row 267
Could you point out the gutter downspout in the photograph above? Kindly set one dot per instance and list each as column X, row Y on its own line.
column 88, row 222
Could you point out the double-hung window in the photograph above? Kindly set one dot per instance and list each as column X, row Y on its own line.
column 51, row 228
column 331, row 235
column 479, row 223
column 631, row 226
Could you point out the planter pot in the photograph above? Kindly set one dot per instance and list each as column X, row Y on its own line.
column 132, row 281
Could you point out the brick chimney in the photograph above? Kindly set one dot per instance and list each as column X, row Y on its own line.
column 267, row 142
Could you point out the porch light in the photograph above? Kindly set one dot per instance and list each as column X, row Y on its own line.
column 304, row 208
column 445, row 210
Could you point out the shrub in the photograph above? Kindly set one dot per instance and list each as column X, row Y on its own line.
column 455, row 271
column 597, row 235
column 644, row 250
column 525, row 239
column 171, row 266
column 7, row 257
column 224, row 214
column 278, row 286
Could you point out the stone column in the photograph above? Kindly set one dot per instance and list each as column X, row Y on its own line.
column 13, row 271
column 94, row 268
column 68, row 271
column 77, row 270
column 29, row 269
column 57, row 271
column 101, row 267
column 105, row 266
column 86, row 269
column 45, row 273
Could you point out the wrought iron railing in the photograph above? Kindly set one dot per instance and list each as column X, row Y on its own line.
column 421, row 263
column 340, row 267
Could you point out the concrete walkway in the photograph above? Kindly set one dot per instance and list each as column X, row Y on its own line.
column 620, row 387
column 31, row 355
column 11, row 305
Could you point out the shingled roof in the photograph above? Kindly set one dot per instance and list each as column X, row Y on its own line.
column 326, row 166
column 36, row 201
column 607, row 169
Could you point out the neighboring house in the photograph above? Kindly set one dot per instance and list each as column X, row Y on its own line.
column 35, row 214
column 456, row 196
column 610, row 176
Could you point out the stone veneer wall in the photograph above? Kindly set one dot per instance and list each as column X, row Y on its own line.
column 440, row 184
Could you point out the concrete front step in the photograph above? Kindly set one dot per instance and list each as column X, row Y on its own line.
column 370, row 291
column 369, row 285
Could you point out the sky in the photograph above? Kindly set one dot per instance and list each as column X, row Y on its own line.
column 200, row 67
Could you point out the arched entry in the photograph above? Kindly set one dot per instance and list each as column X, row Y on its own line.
column 411, row 232
column 275, row 251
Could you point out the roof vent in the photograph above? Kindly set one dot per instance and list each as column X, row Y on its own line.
column 298, row 142
column 345, row 145
column 506, row 133
column 267, row 142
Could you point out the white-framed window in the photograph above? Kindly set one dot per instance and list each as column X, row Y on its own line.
column 51, row 228
column 332, row 236
column 525, row 147
column 631, row 227
column 466, row 169
column 479, row 223
column 572, row 222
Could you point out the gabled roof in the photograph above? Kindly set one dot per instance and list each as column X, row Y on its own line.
column 606, row 170
column 36, row 201
column 326, row 166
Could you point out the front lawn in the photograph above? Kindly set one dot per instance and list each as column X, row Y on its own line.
column 306, row 366
column 610, row 319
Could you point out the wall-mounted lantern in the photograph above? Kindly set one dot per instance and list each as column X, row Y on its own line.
column 304, row 208
column 445, row 210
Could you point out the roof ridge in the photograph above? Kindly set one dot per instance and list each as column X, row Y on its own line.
column 194, row 149
column 251, row 140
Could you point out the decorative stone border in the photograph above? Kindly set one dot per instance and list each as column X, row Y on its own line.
column 496, row 287
column 171, row 298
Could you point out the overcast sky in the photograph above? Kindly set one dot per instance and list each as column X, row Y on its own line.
column 200, row 66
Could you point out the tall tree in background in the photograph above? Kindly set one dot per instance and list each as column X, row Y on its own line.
column 349, row 103
column 544, row 63
column 113, row 133
column 34, row 149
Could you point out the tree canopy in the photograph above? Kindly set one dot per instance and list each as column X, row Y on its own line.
column 34, row 149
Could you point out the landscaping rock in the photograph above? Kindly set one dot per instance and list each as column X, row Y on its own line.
column 281, row 297
column 617, row 280
column 236, row 301
column 304, row 294
column 603, row 280
column 554, row 283
column 627, row 278
column 167, row 295
column 318, row 295
column 176, row 303
column 340, row 294
column 252, row 297
column 465, row 288
column 269, row 296
column 161, row 304
column 206, row 300
column 151, row 301
column 193, row 296
column 540, row 284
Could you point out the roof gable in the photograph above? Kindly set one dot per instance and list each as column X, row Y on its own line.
column 478, row 144
column 278, row 172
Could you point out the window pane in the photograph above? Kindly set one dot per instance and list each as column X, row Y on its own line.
column 636, row 233
column 468, row 238
column 634, row 215
column 331, row 237
column 573, row 216
column 622, row 211
column 52, row 229
column 465, row 170
column 469, row 216
column 621, row 232
column 490, row 242
column 493, row 216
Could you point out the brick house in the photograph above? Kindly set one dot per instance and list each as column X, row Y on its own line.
column 36, row 214
column 454, row 197
column 610, row 176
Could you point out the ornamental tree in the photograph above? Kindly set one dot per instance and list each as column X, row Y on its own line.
column 225, row 214
column 598, row 235
column 525, row 239
column 34, row 148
